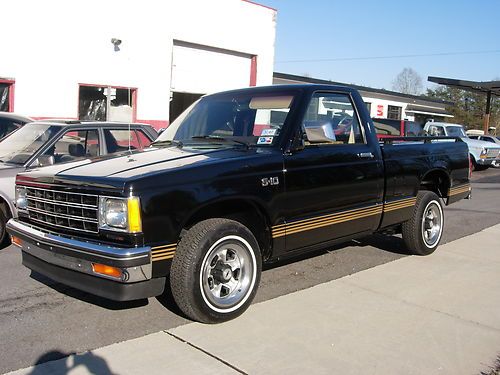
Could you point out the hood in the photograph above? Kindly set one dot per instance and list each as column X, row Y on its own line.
column 5, row 166
column 476, row 143
column 114, row 170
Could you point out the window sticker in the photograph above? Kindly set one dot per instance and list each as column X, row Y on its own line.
column 268, row 132
column 265, row 140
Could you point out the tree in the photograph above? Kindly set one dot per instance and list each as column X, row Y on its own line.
column 467, row 107
column 408, row 82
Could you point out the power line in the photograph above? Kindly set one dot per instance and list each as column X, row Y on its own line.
column 391, row 56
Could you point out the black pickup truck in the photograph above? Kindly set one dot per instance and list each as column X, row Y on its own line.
column 240, row 178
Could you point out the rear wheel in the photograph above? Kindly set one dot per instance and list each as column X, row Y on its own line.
column 216, row 270
column 423, row 231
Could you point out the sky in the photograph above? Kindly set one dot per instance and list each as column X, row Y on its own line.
column 362, row 41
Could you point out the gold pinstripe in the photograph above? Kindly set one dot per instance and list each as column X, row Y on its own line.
column 465, row 188
column 399, row 204
column 324, row 220
column 302, row 225
column 163, row 252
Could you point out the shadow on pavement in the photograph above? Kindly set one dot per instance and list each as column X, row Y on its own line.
column 168, row 302
column 492, row 177
column 87, row 297
column 392, row 244
column 93, row 364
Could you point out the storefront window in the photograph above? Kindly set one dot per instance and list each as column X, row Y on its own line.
column 106, row 103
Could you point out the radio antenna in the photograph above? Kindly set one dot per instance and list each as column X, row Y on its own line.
column 129, row 103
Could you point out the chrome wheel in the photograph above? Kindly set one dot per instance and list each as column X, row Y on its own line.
column 432, row 224
column 227, row 274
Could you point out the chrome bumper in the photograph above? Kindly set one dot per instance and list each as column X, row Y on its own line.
column 486, row 161
column 79, row 256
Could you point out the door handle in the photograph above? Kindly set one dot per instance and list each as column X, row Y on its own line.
column 365, row 155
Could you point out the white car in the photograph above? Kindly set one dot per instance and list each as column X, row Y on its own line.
column 493, row 139
column 482, row 154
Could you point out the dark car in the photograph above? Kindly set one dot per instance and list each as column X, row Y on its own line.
column 10, row 122
column 44, row 143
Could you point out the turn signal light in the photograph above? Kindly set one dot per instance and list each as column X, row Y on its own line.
column 107, row 270
column 16, row 241
column 134, row 215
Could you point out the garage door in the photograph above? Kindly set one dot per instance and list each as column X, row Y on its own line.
column 203, row 70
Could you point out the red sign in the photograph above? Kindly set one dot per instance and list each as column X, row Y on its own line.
column 380, row 110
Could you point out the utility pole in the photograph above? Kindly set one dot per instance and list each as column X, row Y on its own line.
column 487, row 113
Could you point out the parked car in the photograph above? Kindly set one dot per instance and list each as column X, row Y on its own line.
column 490, row 138
column 44, row 143
column 482, row 154
column 397, row 128
column 240, row 178
column 10, row 122
column 493, row 139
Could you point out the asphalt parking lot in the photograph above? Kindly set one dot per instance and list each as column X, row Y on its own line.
column 41, row 317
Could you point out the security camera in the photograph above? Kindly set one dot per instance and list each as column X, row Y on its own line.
column 116, row 41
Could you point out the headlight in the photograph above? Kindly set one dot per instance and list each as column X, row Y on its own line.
column 120, row 214
column 484, row 153
column 21, row 200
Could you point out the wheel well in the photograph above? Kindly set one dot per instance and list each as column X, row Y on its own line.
column 437, row 181
column 246, row 213
column 4, row 206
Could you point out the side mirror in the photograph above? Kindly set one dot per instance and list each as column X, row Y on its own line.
column 44, row 160
column 296, row 144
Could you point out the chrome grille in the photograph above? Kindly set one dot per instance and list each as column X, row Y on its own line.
column 71, row 211
column 492, row 153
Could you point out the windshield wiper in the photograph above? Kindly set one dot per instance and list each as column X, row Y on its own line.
column 168, row 142
column 221, row 139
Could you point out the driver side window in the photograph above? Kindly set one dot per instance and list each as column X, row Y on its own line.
column 331, row 120
column 74, row 145
column 436, row 131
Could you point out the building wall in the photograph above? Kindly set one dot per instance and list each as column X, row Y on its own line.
column 380, row 100
column 53, row 46
column 379, row 107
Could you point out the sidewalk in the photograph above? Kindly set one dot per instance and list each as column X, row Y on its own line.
column 418, row 315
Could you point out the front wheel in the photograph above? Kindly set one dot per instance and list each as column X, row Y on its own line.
column 4, row 238
column 216, row 270
column 423, row 231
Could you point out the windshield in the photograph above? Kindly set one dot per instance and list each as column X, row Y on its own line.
column 222, row 120
column 455, row 131
column 22, row 144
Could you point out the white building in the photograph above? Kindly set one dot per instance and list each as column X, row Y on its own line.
column 142, row 61
column 384, row 103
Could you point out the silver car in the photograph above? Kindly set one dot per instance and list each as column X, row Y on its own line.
column 42, row 143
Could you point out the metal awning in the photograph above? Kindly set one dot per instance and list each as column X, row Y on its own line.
column 426, row 110
column 488, row 87
column 485, row 87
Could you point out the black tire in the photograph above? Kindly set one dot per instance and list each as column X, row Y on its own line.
column 422, row 234
column 4, row 237
column 481, row 167
column 477, row 167
column 206, row 283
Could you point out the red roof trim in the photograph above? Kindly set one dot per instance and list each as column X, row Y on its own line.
column 260, row 5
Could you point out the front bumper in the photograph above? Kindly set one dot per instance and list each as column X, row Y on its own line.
column 485, row 161
column 71, row 262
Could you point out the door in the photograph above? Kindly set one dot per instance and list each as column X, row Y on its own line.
column 335, row 183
